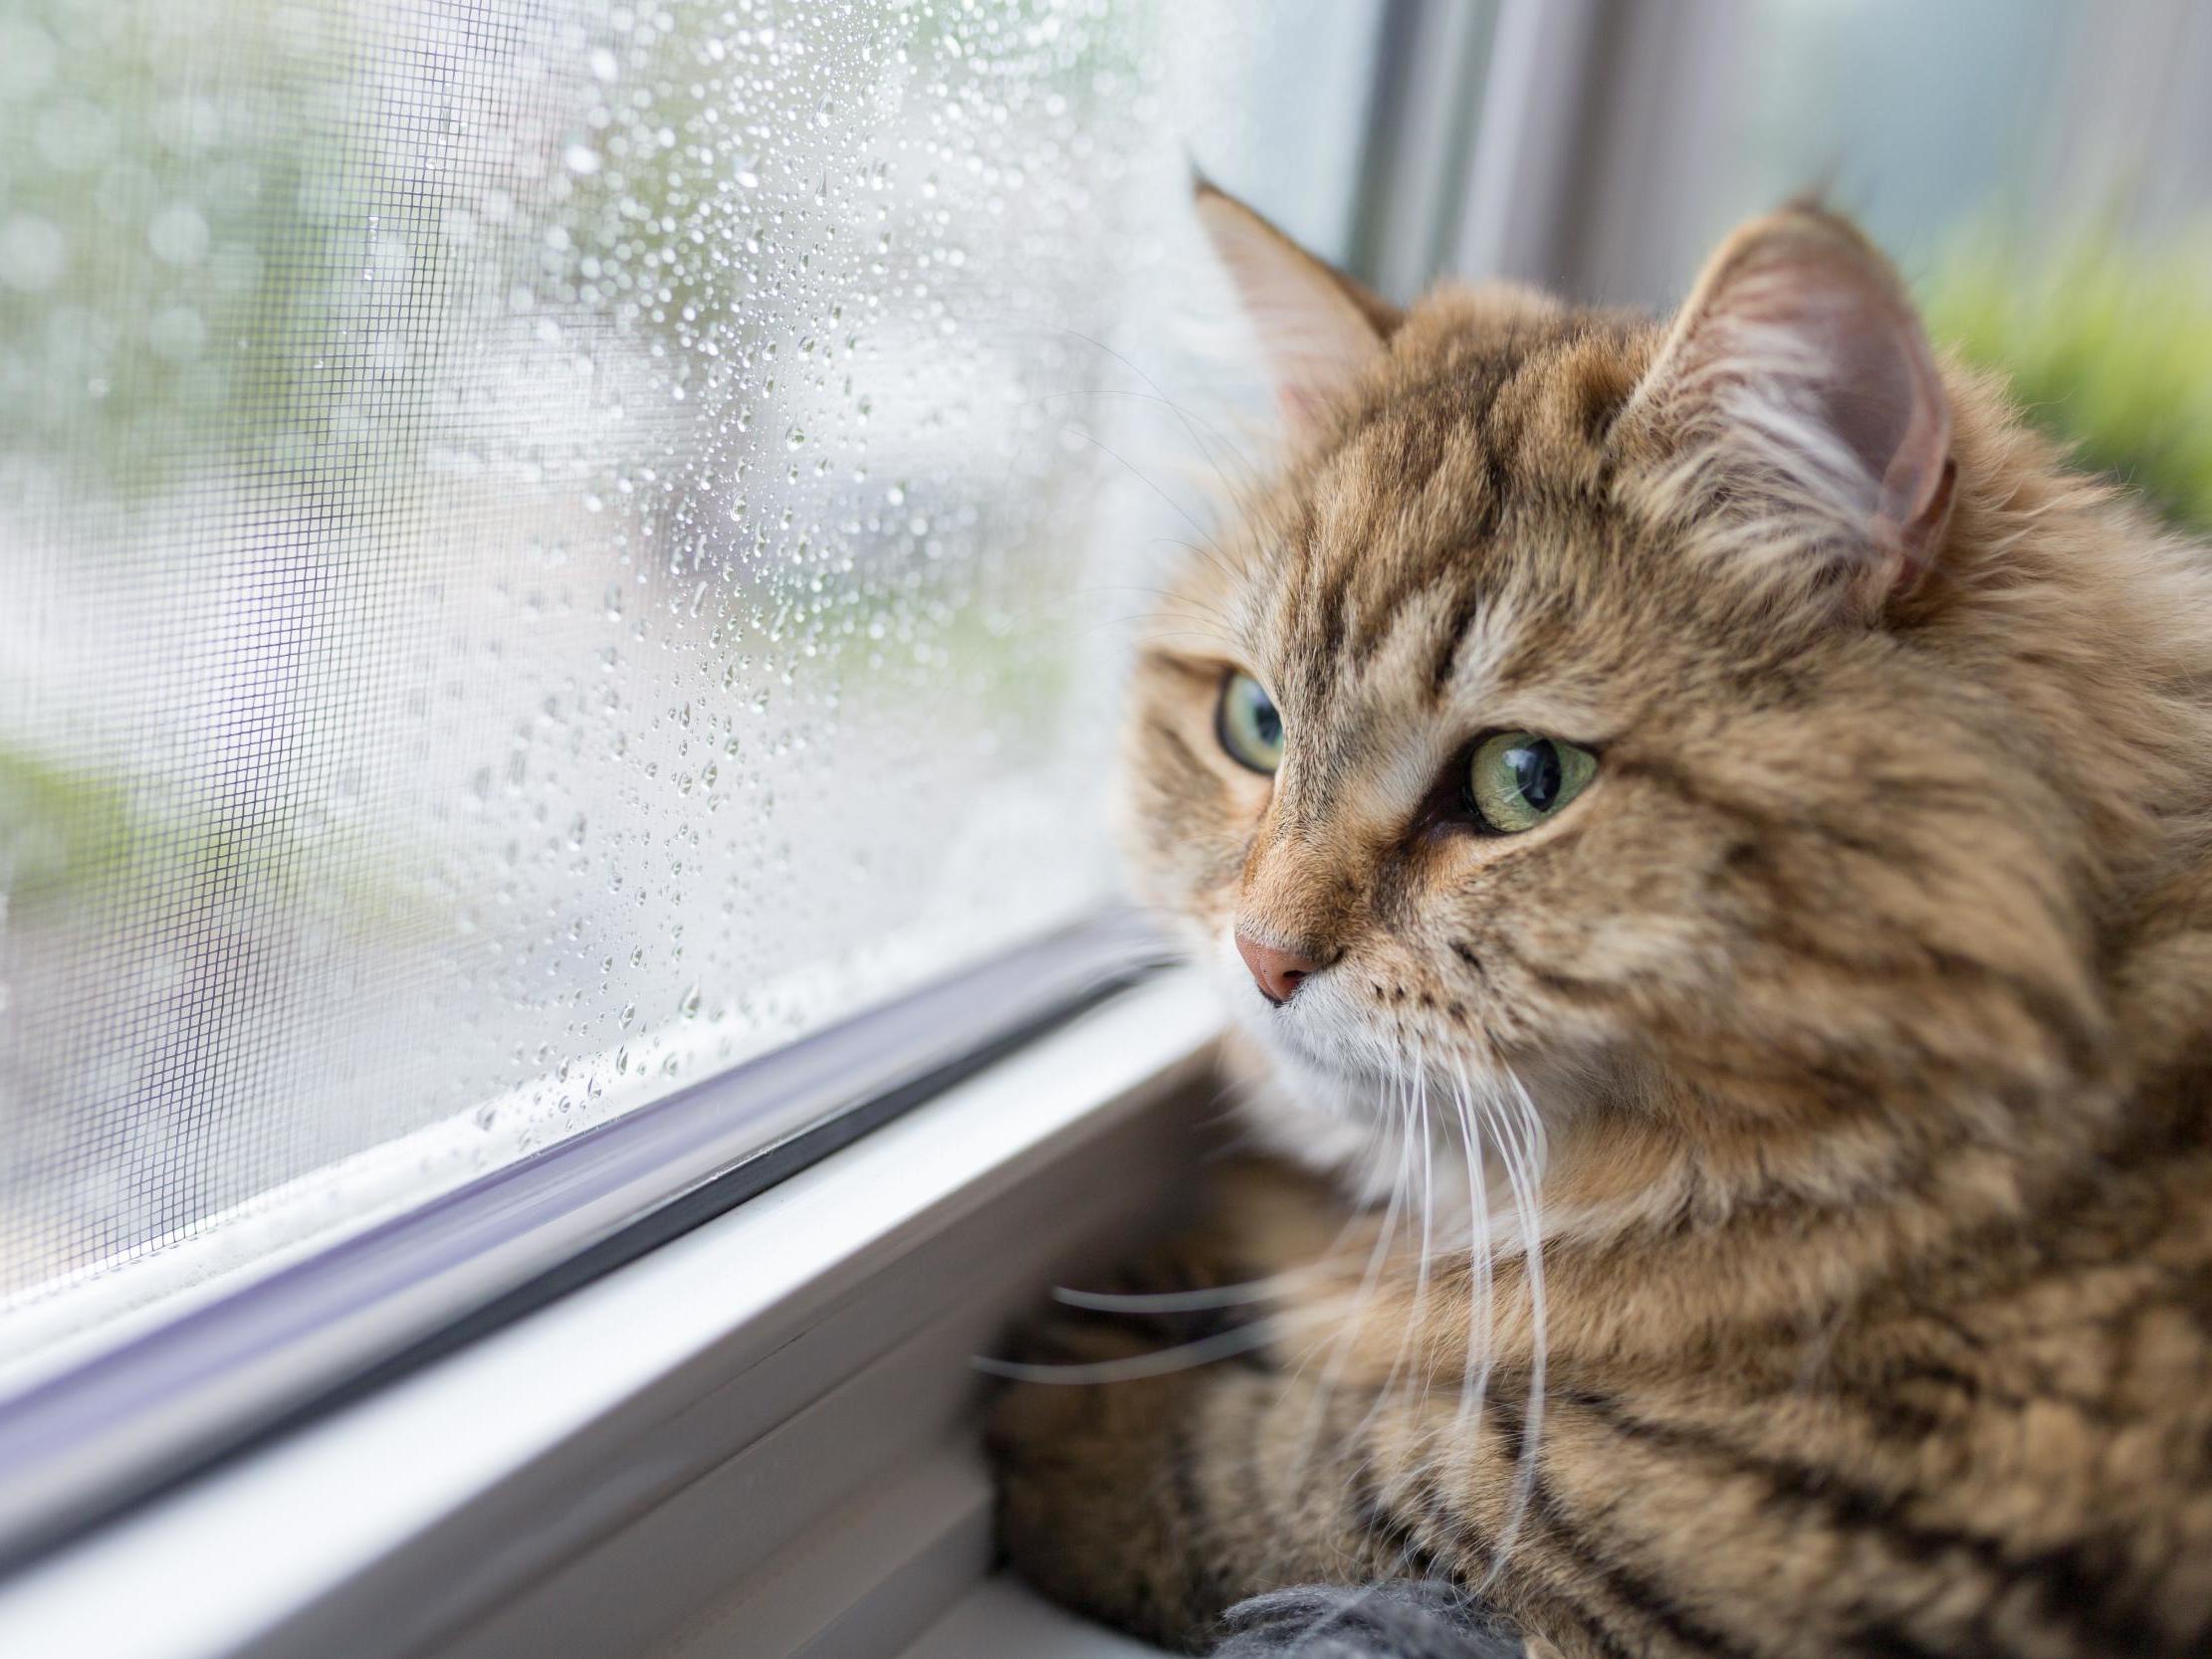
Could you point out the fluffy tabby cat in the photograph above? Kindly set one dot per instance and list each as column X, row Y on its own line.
column 1709, row 824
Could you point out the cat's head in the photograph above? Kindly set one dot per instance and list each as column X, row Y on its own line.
column 1627, row 711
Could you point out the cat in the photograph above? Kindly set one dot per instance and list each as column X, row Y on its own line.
column 1707, row 827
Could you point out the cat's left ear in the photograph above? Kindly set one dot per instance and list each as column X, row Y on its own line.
column 1318, row 328
column 1797, row 382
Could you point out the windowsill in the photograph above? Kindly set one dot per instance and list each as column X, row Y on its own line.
column 720, row 1436
column 1001, row 1616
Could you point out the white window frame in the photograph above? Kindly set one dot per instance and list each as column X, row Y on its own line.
column 757, row 1439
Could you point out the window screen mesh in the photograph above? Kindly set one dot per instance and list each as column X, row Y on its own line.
column 544, row 548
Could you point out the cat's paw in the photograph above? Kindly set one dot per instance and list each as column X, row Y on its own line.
column 1058, row 1403
column 1083, row 1470
column 1092, row 1379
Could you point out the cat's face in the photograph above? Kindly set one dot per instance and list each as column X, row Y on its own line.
column 1526, row 735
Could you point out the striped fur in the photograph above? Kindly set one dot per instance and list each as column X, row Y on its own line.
column 1840, row 1057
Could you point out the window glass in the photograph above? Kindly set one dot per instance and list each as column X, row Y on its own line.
column 547, row 547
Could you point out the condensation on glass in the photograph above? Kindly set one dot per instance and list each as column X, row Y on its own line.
column 546, row 547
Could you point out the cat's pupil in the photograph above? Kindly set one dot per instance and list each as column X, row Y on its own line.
column 1267, row 723
column 1537, row 772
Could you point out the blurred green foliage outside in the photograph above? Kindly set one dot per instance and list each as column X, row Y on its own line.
column 2108, row 344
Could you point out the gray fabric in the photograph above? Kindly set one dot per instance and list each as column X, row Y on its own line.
column 1406, row 1619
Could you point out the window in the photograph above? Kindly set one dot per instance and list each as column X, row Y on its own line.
column 553, row 551
column 564, row 572
column 2036, row 119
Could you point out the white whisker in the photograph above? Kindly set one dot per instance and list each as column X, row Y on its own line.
column 1475, row 1380
column 1341, row 1342
column 1521, row 1147
column 1183, row 1357
column 1176, row 1302
column 1417, row 1109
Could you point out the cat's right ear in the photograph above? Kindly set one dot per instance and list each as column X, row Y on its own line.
column 1798, row 387
column 1318, row 328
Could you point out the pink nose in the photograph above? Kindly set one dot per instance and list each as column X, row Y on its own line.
column 1277, row 973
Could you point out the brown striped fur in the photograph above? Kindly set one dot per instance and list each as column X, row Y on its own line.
column 1863, row 1003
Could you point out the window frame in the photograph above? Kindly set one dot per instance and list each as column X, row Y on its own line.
column 79, row 1447
column 764, row 1426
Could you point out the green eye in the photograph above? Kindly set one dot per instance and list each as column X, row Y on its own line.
column 1248, row 726
column 1519, row 779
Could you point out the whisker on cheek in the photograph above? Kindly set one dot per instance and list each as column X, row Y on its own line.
column 1521, row 1147
column 1347, row 1327
column 1135, row 1368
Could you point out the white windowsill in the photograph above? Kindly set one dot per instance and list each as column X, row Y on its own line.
column 999, row 1617
column 755, row 1440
